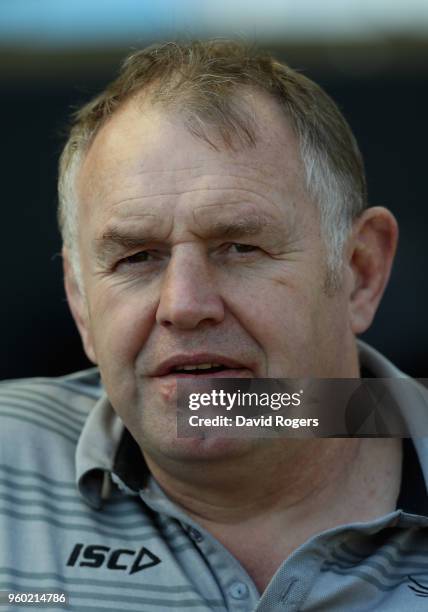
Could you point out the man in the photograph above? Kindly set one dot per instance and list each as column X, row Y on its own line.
column 214, row 216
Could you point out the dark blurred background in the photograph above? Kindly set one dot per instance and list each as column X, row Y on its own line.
column 372, row 58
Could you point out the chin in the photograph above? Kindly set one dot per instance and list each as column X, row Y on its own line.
column 198, row 449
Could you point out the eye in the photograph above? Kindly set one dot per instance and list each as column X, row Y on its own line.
column 136, row 258
column 140, row 257
column 243, row 248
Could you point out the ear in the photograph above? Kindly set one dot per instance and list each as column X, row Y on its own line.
column 370, row 255
column 78, row 306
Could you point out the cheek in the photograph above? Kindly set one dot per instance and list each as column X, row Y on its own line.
column 290, row 318
column 121, row 323
column 274, row 309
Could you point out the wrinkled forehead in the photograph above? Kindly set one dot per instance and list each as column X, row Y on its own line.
column 140, row 129
column 144, row 150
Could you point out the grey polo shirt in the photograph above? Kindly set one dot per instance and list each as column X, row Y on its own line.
column 80, row 513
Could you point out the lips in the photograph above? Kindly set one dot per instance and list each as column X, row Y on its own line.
column 201, row 364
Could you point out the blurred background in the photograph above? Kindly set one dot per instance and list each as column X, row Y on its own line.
column 371, row 56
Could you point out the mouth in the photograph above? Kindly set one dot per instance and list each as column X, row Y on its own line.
column 202, row 366
column 206, row 371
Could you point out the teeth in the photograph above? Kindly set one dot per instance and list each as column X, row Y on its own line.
column 200, row 366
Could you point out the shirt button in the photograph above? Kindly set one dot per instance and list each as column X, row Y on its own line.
column 195, row 534
column 238, row 590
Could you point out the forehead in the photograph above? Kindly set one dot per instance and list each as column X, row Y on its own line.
column 146, row 157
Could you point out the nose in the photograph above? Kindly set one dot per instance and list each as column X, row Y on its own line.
column 189, row 294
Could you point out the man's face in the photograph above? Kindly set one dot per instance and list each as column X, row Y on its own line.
column 196, row 255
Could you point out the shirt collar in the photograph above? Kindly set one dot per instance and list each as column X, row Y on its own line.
column 413, row 497
column 107, row 452
column 412, row 401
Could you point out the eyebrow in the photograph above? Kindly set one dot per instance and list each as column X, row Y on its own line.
column 113, row 241
column 119, row 238
column 245, row 227
column 256, row 224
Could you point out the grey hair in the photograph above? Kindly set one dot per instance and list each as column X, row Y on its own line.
column 68, row 211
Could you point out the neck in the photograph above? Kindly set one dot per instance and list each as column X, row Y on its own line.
column 280, row 474
column 283, row 487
